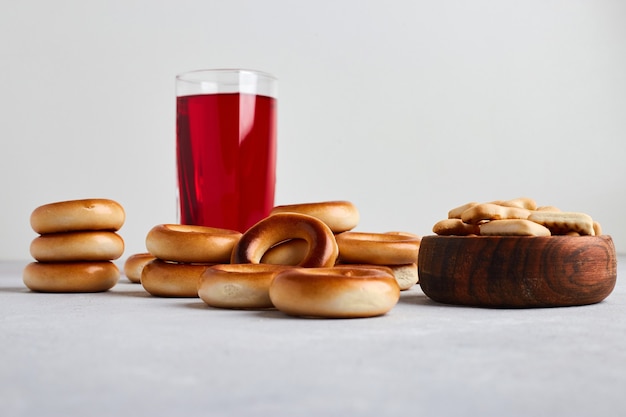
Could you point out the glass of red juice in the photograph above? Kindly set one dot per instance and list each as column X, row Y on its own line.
column 225, row 147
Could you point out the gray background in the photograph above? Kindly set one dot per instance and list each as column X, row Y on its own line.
column 406, row 108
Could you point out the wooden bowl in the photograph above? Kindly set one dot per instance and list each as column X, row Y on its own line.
column 517, row 272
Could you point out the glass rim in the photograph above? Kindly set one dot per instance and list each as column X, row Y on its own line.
column 225, row 81
column 187, row 76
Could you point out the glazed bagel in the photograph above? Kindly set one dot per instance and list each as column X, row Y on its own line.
column 77, row 246
column 284, row 226
column 289, row 252
column 377, row 248
column 71, row 276
column 334, row 292
column 238, row 285
column 73, row 215
column 134, row 265
column 170, row 279
column 340, row 216
column 191, row 244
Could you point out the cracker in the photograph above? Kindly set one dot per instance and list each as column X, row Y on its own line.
column 597, row 228
column 548, row 208
column 521, row 202
column 456, row 212
column 513, row 227
column 561, row 223
column 491, row 211
column 454, row 227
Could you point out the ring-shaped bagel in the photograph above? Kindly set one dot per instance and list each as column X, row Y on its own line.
column 284, row 226
column 334, row 292
column 77, row 246
column 290, row 252
column 73, row 215
column 134, row 265
column 377, row 248
column 71, row 276
column 171, row 279
column 191, row 244
column 340, row 216
column 238, row 285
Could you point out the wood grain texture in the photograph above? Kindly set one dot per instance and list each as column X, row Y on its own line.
column 517, row 272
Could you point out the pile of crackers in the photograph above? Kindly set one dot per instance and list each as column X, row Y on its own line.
column 516, row 217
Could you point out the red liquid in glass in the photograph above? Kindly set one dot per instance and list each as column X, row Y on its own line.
column 226, row 150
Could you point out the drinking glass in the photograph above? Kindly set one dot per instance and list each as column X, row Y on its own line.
column 225, row 147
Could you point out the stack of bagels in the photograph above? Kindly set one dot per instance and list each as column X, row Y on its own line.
column 302, row 259
column 77, row 243
column 181, row 255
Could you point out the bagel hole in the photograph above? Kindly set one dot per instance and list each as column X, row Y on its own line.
column 287, row 252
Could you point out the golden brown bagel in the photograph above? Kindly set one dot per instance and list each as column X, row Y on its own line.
column 238, row 285
column 377, row 248
column 71, row 276
column 339, row 216
column 289, row 252
column 334, row 292
column 284, row 226
column 406, row 234
column 191, row 244
column 170, row 279
column 74, row 215
column 134, row 265
column 77, row 246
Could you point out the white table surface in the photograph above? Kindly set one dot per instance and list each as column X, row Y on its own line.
column 126, row 353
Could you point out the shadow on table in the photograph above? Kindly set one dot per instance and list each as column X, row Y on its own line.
column 109, row 293
column 140, row 293
column 415, row 297
column 410, row 297
column 263, row 313
column 22, row 289
column 127, row 288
